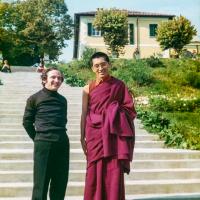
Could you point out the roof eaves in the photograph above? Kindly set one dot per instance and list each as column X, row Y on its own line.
column 130, row 14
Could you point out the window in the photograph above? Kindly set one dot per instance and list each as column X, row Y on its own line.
column 92, row 31
column 152, row 29
column 131, row 33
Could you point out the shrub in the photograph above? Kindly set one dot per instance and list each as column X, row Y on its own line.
column 193, row 79
column 141, row 73
column 86, row 55
column 166, row 104
column 153, row 121
column 134, row 72
column 186, row 54
column 179, row 130
column 75, row 75
column 153, row 61
column 181, row 136
column 187, row 125
column 51, row 65
column 73, row 80
column 172, row 137
column 160, row 87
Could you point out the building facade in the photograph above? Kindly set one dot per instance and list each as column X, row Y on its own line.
column 141, row 34
column 194, row 46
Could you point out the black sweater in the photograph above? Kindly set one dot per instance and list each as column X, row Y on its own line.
column 45, row 115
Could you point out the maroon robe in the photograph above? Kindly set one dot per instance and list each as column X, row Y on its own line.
column 110, row 140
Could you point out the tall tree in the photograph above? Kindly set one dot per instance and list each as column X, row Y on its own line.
column 6, row 33
column 175, row 33
column 45, row 26
column 33, row 28
column 113, row 24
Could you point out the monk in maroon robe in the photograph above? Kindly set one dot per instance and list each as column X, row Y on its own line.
column 107, row 133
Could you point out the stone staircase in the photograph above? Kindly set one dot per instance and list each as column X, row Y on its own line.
column 156, row 171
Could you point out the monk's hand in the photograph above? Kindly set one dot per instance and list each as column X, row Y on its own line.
column 83, row 144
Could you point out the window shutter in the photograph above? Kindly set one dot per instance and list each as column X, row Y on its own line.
column 89, row 29
column 152, row 30
column 131, row 33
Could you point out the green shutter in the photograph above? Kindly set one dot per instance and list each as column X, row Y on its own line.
column 89, row 29
column 131, row 33
column 152, row 28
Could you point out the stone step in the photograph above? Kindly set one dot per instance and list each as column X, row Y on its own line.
column 19, row 126
column 71, row 119
column 73, row 135
column 74, row 144
column 23, row 95
column 28, row 87
column 135, row 174
column 72, row 128
column 8, row 111
column 23, row 89
column 23, row 102
column 19, row 115
column 27, row 165
column 23, row 165
column 21, row 98
column 9, row 84
column 18, row 189
column 21, row 105
column 139, row 153
column 31, row 80
column 10, row 130
column 21, row 131
column 165, row 196
column 17, row 111
column 28, row 198
column 12, row 109
column 174, row 196
column 26, row 138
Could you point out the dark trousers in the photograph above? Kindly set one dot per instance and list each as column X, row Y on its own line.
column 51, row 169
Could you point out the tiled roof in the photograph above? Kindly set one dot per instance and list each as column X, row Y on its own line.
column 130, row 14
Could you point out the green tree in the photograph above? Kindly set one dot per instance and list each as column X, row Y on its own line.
column 175, row 33
column 29, row 29
column 86, row 55
column 113, row 24
column 45, row 26
column 6, row 33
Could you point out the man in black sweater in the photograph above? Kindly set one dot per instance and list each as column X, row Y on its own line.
column 44, row 120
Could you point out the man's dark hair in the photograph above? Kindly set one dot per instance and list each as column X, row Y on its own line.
column 45, row 74
column 99, row 55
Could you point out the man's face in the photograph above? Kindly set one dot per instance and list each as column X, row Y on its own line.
column 100, row 67
column 53, row 81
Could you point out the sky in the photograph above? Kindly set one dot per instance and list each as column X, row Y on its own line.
column 187, row 8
